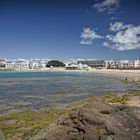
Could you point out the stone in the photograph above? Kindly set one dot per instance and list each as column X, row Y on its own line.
column 98, row 121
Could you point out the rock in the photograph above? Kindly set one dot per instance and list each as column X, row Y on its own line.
column 1, row 136
column 99, row 121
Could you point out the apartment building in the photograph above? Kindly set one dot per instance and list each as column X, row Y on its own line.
column 131, row 64
column 92, row 63
column 9, row 65
column 112, row 64
column 21, row 65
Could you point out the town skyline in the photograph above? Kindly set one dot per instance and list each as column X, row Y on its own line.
column 89, row 29
column 72, row 64
column 64, row 59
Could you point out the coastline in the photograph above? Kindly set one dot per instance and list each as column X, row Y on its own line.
column 48, row 123
column 62, row 69
column 107, row 72
column 79, row 85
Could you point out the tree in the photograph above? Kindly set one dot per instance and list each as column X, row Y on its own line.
column 2, row 65
column 55, row 63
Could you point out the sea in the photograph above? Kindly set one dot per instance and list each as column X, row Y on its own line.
column 23, row 91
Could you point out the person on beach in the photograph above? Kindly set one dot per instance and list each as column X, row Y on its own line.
column 126, row 79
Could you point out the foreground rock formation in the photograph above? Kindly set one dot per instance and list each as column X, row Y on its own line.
column 98, row 121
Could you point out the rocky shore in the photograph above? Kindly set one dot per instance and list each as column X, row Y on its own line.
column 112, row 117
column 97, row 120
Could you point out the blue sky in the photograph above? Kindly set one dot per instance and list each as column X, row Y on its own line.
column 63, row 29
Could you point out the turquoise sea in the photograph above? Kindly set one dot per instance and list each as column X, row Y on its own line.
column 36, row 90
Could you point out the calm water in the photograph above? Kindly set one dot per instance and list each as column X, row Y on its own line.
column 34, row 90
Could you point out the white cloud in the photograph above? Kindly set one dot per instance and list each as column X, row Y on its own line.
column 127, row 37
column 88, row 35
column 106, row 5
column 118, row 26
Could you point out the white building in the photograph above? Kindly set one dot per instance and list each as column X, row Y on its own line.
column 137, row 63
column 92, row 63
column 43, row 64
column 124, row 64
column 77, row 67
column 21, row 65
column 9, row 65
column 34, row 64
column 38, row 64
column 112, row 64
column 131, row 64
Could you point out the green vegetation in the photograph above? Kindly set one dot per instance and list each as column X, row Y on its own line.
column 2, row 65
column 114, row 98
column 55, row 63
column 111, row 99
column 26, row 124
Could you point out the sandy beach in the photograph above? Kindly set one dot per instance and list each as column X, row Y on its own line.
column 118, row 73
column 109, row 72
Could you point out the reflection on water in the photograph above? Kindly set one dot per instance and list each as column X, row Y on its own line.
column 23, row 91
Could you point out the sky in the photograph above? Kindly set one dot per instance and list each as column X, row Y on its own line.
column 64, row 29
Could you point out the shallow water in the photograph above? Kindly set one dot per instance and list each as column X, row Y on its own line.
column 36, row 90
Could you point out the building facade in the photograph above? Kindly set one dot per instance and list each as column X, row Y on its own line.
column 137, row 63
column 92, row 63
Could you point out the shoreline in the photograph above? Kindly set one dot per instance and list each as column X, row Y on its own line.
column 107, row 72
column 117, row 73
column 134, row 100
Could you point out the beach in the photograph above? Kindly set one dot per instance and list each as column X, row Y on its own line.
column 111, row 72
column 118, row 73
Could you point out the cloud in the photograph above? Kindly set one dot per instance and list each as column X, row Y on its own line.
column 118, row 26
column 106, row 5
column 126, row 37
column 88, row 35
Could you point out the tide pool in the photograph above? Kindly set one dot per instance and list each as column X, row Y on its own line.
column 21, row 91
